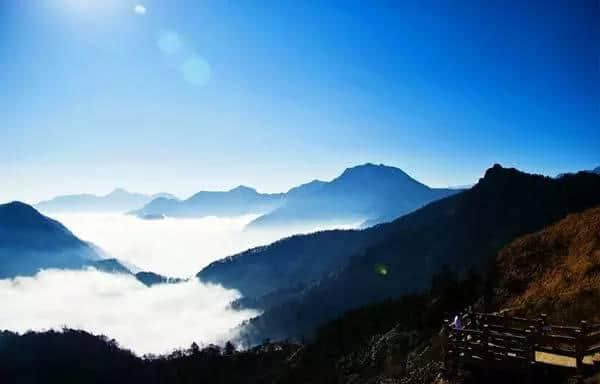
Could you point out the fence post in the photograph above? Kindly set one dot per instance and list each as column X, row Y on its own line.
column 485, row 341
column 580, row 346
column 544, row 320
column 531, row 343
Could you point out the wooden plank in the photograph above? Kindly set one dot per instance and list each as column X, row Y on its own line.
column 555, row 339
column 465, row 331
column 555, row 359
column 593, row 349
column 556, row 351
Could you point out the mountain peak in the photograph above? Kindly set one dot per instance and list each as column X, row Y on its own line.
column 164, row 195
column 369, row 172
column 18, row 207
column 243, row 189
column 498, row 171
column 371, row 169
column 20, row 215
column 117, row 192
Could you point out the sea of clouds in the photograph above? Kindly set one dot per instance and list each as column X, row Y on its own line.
column 144, row 319
column 172, row 247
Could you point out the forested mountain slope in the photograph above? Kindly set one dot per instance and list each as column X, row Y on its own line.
column 462, row 231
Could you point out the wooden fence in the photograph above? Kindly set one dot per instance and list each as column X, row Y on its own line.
column 515, row 343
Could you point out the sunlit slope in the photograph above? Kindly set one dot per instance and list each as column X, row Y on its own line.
column 556, row 270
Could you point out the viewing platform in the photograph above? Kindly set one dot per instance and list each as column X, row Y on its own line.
column 506, row 343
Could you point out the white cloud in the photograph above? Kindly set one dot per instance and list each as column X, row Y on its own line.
column 146, row 320
column 139, row 9
column 173, row 247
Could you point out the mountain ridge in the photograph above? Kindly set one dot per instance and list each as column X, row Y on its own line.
column 367, row 192
column 118, row 200
column 30, row 241
column 241, row 200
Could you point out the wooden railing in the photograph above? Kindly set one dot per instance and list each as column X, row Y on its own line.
column 515, row 343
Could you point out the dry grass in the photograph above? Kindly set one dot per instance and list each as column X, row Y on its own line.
column 556, row 270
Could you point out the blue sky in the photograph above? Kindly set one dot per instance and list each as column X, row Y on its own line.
column 210, row 94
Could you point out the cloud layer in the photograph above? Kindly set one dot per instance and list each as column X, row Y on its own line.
column 145, row 320
column 172, row 247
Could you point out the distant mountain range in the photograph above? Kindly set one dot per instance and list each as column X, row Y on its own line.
column 30, row 241
column 335, row 271
column 118, row 200
column 241, row 200
column 368, row 194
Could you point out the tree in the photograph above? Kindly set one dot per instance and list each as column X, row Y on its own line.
column 194, row 348
column 229, row 348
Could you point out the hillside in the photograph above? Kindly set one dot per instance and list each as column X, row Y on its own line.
column 369, row 192
column 30, row 241
column 556, row 270
column 462, row 231
column 288, row 263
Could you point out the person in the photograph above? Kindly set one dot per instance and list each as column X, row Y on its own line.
column 457, row 323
